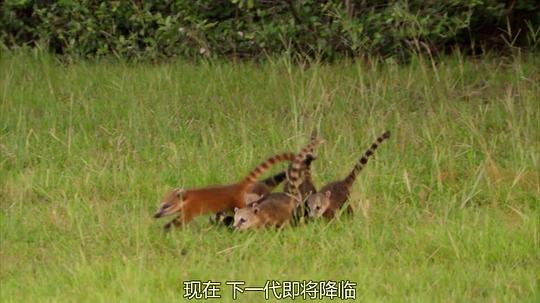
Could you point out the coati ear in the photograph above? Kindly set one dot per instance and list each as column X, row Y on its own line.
column 236, row 209
column 255, row 207
column 325, row 202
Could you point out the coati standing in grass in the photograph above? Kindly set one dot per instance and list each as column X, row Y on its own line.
column 259, row 189
column 188, row 203
column 331, row 197
column 262, row 190
column 276, row 209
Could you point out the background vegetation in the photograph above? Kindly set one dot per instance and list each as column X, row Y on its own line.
column 248, row 28
column 447, row 211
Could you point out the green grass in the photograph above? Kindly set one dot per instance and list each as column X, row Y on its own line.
column 447, row 211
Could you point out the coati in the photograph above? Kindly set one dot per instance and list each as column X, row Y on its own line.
column 276, row 209
column 262, row 190
column 259, row 189
column 331, row 197
column 188, row 203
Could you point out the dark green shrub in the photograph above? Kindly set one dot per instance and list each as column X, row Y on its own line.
column 249, row 28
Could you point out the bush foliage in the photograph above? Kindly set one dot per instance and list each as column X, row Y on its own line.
column 249, row 28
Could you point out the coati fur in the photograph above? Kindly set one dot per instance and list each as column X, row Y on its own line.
column 188, row 203
column 276, row 209
column 259, row 189
column 266, row 186
column 306, row 188
column 331, row 197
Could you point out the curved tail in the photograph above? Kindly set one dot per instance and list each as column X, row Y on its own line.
column 306, row 168
column 296, row 167
column 363, row 161
column 307, row 163
column 274, row 180
column 264, row 167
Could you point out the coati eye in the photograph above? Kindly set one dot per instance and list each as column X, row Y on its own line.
column 242, row 220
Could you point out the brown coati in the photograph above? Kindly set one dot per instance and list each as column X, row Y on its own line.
column 259, row 189
column 276, row 209
column 306, row 188
column 331, row 197
column 188, row 203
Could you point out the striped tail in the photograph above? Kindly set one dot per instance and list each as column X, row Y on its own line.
column 363, row 161
column 275, row 180
column 264, row 167
column 296, row 167
column 307, row 171
column 309, row 157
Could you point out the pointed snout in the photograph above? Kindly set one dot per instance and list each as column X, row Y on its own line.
column 236, row 225
column 161, row 211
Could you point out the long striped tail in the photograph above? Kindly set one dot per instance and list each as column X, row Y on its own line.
column 252, row 177
column 296, row 167
column 363, row 161
column 275, row 180
column 307, row 163
column 306, row 168
column 310, row 156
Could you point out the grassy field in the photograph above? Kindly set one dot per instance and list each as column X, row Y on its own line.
column 447, row 211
